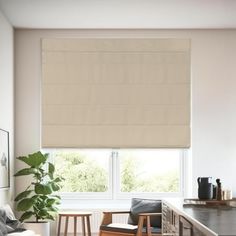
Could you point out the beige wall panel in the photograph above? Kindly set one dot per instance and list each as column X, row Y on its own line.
column 137, row 94
column 116, row 92
column 69, row 114
column 166, row 115
column 177, row 73
column 112, row 73
column 115, row 136
column 119, row 56
column 116, row 45
column 68, row 94
column 53, row 57
column 117, row 68
column 52, row 73
column 115, row 74
column 107, row 115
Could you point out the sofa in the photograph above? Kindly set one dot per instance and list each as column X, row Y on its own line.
column 24, row 233
column 10, row 226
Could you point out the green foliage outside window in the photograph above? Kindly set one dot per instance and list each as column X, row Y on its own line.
column 83, row 174
column 133, row 178
column 80, row 173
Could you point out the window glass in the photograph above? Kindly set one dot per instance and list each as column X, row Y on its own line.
column 114, row 174
column 149, row 171
column 83, row 170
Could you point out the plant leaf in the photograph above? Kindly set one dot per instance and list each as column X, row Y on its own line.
column 26, row 215
column 22, row 195
column 52, row 209
column 43, row 213
column 50, row 217
column 53, row 214
column 55, row 186
column 35, row 197
column 57, row 196
column 51, row 168
column 26, row 171
column 35, row 159
column 25, row 204
column 58, row 180
column 51, row 201
column 44, row 189
column 50, row 176
column 24, row 159
column 43, row 197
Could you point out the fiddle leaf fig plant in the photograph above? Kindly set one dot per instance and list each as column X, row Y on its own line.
column 39, row 198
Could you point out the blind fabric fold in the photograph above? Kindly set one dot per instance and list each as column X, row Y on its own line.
column 115, row 93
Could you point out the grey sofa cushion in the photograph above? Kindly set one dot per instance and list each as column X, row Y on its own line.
column 3, row 218
column 139, row 205
column 8, row 222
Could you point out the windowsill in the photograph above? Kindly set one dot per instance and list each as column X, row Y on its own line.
column 95, row 204
column 101, row 204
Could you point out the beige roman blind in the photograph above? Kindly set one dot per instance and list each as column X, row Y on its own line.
column 116, row 93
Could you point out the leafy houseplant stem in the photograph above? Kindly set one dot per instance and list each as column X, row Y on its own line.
column 38, row 199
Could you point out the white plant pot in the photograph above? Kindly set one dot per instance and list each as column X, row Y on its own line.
column 40, row 228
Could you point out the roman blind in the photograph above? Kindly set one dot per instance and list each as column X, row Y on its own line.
column 115, row 93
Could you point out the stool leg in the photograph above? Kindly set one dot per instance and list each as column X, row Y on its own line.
column 148, row 226
column 75, row 225
column 66, row 226
column 83, row 226
column 88, row 226
column 140, row 226
column 59, row 226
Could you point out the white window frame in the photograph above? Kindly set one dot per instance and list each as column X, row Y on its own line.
column 114, row 192
column 86, row 195
column 126, row 195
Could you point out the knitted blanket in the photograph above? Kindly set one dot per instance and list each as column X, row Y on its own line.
column 8, row 222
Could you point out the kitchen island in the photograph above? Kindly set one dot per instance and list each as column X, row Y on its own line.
column 190, row 220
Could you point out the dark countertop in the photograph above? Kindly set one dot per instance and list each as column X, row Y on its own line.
column 214, row 220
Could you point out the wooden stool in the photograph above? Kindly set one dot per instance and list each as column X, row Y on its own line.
column 84, row 217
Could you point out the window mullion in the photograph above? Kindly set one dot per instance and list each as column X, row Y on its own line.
column 115, row 173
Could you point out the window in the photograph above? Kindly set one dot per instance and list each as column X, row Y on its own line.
column 149, row 171
column 114, row 174
column 85, row 171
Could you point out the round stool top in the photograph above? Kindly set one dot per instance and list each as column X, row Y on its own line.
column 75, row 213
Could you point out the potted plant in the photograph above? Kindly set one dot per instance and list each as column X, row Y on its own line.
column 38, row 199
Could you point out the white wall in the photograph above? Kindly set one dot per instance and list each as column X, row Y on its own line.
column 7, row 97
column 213, row 60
